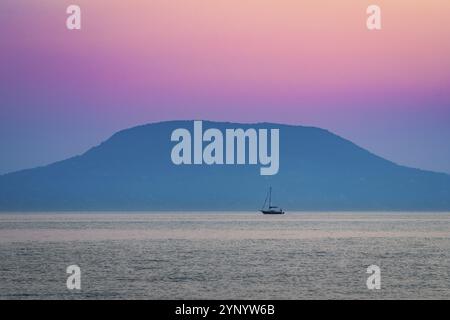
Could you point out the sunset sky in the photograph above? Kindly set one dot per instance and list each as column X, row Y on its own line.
column 290, row 61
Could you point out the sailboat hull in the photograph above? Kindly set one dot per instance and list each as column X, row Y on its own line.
column 272, row 212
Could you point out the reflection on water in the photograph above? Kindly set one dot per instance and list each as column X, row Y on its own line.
column 225, row 255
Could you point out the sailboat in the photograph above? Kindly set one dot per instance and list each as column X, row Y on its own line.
column 271, row 209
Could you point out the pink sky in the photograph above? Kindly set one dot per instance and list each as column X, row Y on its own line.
column 290, row 61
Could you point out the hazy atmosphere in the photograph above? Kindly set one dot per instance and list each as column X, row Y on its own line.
column 297, row 62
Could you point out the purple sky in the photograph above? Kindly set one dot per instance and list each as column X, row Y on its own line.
column 62, row 92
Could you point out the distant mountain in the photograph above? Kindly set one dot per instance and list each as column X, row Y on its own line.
column 133, row 171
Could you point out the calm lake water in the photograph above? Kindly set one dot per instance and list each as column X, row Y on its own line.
column 225, row 255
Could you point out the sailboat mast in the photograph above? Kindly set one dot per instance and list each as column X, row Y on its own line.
column 270, row 197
